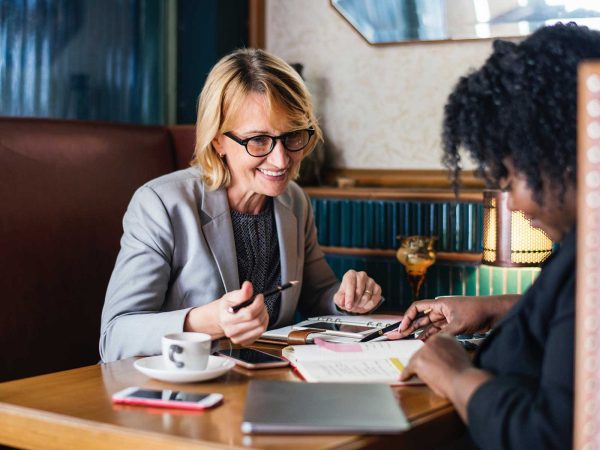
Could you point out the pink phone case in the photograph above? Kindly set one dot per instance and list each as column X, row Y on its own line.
column 164, row 403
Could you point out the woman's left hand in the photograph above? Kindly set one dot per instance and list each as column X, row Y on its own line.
column 437, row 363
column 358, row 293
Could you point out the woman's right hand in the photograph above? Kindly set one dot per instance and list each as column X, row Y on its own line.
column 242, row 327
column 453, row 315
column 246, row 325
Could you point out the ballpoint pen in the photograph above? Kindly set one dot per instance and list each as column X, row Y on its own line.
column 283, row 287
column 392, row 327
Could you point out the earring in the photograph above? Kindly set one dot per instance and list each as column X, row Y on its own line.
column 221, row 155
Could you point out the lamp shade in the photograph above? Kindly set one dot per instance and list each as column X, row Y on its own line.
column 509, row 240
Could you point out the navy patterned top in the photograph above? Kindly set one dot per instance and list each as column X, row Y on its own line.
column 257, row 249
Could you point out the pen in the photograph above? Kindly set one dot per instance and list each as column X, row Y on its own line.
column 376, row 334
column 392, row 327
column 422, row 314
column 283, row 287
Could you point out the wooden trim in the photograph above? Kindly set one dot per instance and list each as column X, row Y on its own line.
column 256, row 23
column 474, row 258
column 393, row 194
column 170, row 61
column 426, row 178
column 57, row 431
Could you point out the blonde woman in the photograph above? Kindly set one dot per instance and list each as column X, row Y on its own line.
column 199, row 241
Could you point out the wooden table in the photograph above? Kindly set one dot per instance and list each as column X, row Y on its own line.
column 73, row 409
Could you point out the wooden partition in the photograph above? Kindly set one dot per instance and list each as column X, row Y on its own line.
column 587, row 339
column 403, row 178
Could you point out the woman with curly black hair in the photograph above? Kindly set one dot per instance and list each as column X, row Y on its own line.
column 516, row 117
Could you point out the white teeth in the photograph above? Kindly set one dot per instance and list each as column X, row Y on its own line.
column 272, row 174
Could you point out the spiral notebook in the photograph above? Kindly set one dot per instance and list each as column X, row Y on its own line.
column 290, row 407
column 280, row 335
column 371, row 320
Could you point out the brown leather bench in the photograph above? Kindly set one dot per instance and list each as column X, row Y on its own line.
column 64, row 187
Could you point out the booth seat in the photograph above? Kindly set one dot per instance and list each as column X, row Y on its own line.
column 64, row 187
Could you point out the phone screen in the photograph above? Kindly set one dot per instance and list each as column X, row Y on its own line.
column 332, row 326
column 167, row 395
column 250, row 356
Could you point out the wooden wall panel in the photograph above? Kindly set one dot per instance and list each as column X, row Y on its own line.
column 587, row 340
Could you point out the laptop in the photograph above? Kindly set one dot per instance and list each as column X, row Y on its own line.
column 282, row 407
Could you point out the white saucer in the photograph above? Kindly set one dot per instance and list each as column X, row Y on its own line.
column 154, row 367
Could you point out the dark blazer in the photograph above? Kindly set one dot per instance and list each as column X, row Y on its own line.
column 178, row 252
column 529, row 402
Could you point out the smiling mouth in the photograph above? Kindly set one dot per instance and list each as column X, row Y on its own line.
column 272, row 173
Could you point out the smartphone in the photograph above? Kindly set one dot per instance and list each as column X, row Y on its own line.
column 167, row 398
column 253, row 359
column 341, row 329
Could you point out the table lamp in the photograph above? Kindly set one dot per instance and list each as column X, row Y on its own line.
column 509, row 240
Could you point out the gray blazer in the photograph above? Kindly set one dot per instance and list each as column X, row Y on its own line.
column 178, row 252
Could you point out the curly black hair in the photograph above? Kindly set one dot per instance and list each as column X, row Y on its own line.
column 521, row 103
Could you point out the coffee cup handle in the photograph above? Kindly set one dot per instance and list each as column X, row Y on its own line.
column 172, row 350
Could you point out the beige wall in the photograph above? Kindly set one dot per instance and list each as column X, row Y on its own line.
column 380, row 107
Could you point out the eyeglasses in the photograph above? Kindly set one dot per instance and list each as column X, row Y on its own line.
column 263, row 144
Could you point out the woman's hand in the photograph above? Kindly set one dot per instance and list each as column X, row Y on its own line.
column 242, row 327
column 453, row 315
column 358, row 293
column 446, row 368
column 246, row 325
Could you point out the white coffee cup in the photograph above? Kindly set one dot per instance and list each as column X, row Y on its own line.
column 186, row 350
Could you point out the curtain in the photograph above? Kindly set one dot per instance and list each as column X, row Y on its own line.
column 83, row 59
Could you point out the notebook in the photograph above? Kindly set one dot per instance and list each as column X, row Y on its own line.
column 289, row 407
column 369, row 362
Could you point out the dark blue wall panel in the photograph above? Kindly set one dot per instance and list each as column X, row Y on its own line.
column 83, row 59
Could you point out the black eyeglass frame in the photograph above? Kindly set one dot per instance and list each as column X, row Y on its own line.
column 281, row 137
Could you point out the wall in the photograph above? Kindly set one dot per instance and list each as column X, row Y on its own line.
column 380, row 107
column 207, row 30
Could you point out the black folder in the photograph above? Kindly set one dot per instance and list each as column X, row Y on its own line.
column 295, row 407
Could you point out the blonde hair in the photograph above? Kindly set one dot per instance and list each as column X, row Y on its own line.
column 230, row 81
